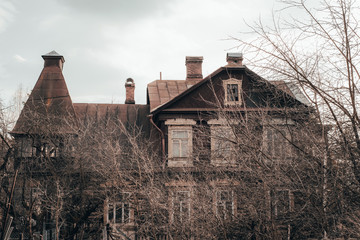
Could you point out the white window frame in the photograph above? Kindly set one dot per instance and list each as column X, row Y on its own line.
column 183, row 143
column 174, row 200
column 280, row 135
column 112, row 205
column 224, row 204
column 233, row 81
column 222, row 125
column 180, row 125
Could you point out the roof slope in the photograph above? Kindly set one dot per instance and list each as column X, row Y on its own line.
column 131, row 115
column 162, row 91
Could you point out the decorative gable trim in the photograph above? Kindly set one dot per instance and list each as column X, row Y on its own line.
column 233, row 92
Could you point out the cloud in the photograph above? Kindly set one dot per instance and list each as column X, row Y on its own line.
column 19, row 58
column 120, row 9
column 7, row 11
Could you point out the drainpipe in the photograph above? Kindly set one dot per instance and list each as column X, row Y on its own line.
column 162, row 137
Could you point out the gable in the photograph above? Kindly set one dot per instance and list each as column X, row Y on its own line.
column 211, row 93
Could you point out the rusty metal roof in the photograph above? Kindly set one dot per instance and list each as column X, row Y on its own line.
column 49, row 99
column 49, row 108
column 162, row 91
column 128, row 114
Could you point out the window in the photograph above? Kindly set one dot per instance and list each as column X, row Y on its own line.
column 281, row 202
column 180, row 142
column 224, row 204
column 181, row 206
column 232, row 89
column 276, row 144
column 223, row 151
column 222, row 138
column 37, row 195
column 119, row 210
column 299, row 200
column 27, row 148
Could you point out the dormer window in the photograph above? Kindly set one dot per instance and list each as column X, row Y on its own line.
column 232, row 89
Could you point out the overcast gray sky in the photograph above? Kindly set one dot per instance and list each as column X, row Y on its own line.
column 105, row 42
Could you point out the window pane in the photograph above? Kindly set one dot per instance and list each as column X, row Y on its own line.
column 224, row 204
column 180, row 143
column 232, row 92
column 111, row 212
column 176, row 148
column 282, row 202
column 119, row 213
column 181, row 206
column 223, row 138
column 180, row 134
column 126, row 212
column 184, row 148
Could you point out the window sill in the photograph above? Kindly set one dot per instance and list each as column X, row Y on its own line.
column 180, row 162
column 220, row 162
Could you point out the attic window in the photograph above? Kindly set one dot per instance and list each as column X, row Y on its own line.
column 232, row 89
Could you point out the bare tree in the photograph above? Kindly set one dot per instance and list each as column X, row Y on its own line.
column 320, row 53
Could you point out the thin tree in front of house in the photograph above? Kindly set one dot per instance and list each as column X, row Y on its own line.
column 320, row 53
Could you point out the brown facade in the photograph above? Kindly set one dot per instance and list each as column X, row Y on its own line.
column 210, row 138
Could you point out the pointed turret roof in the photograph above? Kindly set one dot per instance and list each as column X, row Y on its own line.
column 49, row 106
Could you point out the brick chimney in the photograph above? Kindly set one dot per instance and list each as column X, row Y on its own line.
column 234, row 59
column 130, row 89
column 193, row 70
column 53, row 59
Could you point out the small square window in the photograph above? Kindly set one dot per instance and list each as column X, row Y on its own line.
column 232, row 89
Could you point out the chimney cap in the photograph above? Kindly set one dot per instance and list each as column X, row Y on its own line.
column 130, row 80
column 234, row 55
column 54, row 55
column 194, row 59
column 234, row 58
